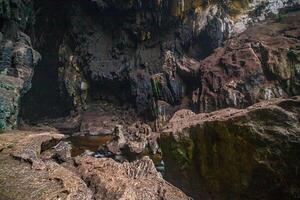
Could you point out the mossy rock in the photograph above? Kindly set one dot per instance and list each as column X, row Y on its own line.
column 234, row 158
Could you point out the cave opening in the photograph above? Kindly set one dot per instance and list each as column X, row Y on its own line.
column 116, row 92
column 45, row 99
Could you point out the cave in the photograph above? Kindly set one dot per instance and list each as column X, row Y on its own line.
column 117, row 92
column 45, row 99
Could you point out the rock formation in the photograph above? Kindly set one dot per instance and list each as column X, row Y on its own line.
column 135, row 61
column 260, row 64
column 245, row 154
column 122, row 51
column 116, row 71
column 18, row 59
column 39, row 166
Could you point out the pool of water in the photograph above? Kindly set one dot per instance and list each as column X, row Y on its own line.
column 92, row 143
column 82, row 143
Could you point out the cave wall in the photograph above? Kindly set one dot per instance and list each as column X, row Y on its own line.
column 140, row 43
column 18, row 58
column 46, row 98
column 125, row 51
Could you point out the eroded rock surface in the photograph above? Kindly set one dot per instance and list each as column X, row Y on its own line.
column 249, row 153
column 135, row 61
column 136, row 180
column 260, row 64
column 23, row 174
column 35, row 165
column 18, row 60
column 128, row 56
column 133, row 140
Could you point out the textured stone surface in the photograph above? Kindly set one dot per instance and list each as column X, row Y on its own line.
column 23, row 174
column 35, row 165
column 138, row 180
column 249, row 153
column 135, row 139
column 18, row 60
column 260, row 64
column 135, row 61
column 121, row 51
column 102, row 118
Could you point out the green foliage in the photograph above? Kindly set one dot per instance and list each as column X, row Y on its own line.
column 181, row 152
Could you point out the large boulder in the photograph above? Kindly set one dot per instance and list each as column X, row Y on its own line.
column 23, row 174
column 251, row 153
column 137, row 180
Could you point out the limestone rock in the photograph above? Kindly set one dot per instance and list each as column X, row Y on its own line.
column 125, row 62
column 35, row 165
column 17, row 59
column 133, row 140
column 236, row 153
column 137, row 181
column 23, row 174
column 260, row 64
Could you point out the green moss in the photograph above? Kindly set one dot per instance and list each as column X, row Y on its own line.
column 181, row 152
column 219, row 154
column 224, row 157
column 278, row 17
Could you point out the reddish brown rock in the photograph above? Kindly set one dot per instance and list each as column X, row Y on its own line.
column 137, row 181
column 38, row 165
column 259, row 64
column 24, row 175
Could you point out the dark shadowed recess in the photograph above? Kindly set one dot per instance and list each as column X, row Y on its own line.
column 44, row 98
column 118, row 92
column 1, row 23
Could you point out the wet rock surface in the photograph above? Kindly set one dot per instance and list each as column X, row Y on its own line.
column 38, row 165
column 249, row 153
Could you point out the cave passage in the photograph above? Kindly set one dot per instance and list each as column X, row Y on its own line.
column 44, row 100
